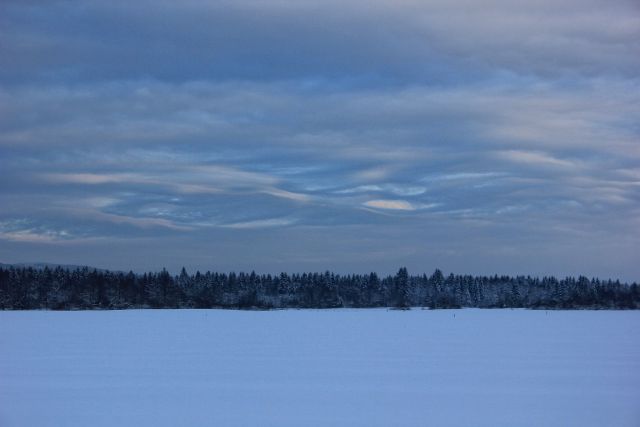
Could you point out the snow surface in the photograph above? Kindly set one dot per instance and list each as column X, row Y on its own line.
column 320, row 367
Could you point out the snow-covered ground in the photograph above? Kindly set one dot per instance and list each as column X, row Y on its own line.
column 313, row 367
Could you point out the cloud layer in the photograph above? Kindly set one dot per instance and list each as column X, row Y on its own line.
column 312, row 135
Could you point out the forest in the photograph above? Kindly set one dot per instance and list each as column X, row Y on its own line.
column 82, row 288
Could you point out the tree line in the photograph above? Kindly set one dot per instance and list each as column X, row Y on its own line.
column 27, row 288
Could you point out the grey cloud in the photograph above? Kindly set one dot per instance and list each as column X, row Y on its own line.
column 438, row 146
column 380, row 41
column 348, row 135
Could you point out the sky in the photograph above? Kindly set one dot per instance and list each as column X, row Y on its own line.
column 500, row 136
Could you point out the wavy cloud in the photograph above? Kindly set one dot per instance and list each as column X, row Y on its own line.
column 354, row 135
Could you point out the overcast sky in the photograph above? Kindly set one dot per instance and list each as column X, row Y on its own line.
column 494, row 136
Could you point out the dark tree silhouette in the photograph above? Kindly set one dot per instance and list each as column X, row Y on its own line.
column 26, row 288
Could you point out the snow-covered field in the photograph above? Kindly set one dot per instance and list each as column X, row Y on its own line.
column 312, row 367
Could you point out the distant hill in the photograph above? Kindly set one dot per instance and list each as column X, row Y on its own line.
column 42, row 265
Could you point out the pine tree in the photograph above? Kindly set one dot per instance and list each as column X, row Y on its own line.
column 401, row 285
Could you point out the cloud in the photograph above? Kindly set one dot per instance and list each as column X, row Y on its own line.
column 536, row 159
column 453, row 151
column 370, row 124
column 464, row 176
column 89, row 178
column 32, row 236
column 130, row 220
column 401, row 205
column 390, row 188
column 413, row 40
column 195, row 180
column 261, row 223
column 25, row 231
column 287, row 194
column 233, row 177
column 100, row 202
